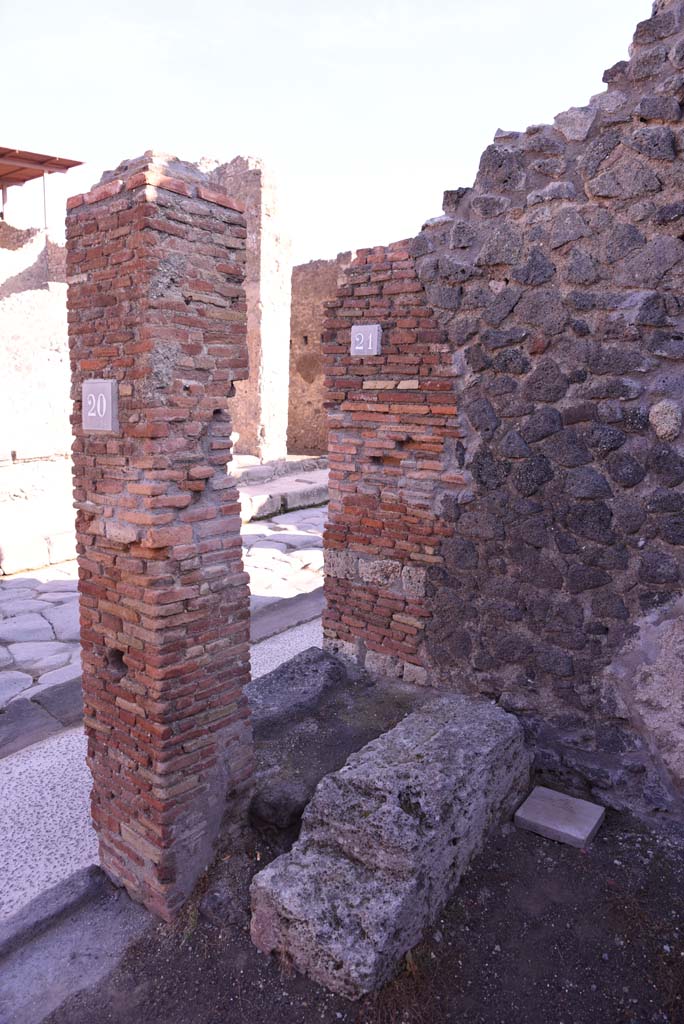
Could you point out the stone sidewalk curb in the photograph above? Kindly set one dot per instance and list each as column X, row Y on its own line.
column 245, row 472
column 32, row 719
column 285, row 614
column 283, row 494
column 51, row 906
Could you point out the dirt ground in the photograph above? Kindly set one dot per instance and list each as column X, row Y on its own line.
column 537, row 933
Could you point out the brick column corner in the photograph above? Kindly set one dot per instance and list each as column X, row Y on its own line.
column 155, row 264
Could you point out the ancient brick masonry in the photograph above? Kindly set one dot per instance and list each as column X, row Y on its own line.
column 155, row 267
column 393, row 434
column 555, row 287
column 313, row 284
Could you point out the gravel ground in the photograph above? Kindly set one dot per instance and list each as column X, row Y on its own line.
column 537, row 933
column 270, row 653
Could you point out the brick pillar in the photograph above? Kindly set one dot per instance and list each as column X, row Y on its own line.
column 155, row 262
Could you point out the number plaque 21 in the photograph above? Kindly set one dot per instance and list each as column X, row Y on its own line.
column 366, row 339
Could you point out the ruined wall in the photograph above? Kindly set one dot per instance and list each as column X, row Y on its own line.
column 260, row 414
column 557, row 284
column 36, row 514
column 156, row 303
column 313, row 284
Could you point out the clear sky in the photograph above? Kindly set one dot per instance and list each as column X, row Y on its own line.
column 365, row 110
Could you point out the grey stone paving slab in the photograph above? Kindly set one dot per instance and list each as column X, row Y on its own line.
column 58, row 676
column 259, row 601
column 23, row 606
column 11, row 595
column 23, row 723
column 25, row 628
column 5, row 657
column 41, row 656
column 64, row 619
column 558, row 816
column 63, row 702
column 11, row 684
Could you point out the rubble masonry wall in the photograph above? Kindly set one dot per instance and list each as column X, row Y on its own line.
column 507, row 510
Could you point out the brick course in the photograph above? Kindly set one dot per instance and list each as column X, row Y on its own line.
column 313, row 284
column 155, row 264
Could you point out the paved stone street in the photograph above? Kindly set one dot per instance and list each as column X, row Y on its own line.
column 40, row 667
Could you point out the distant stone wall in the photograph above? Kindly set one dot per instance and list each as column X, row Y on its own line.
column 313, row 284
column 36, row 513
column 260, row 414
column 555, row 289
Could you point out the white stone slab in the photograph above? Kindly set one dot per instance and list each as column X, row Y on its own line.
column 64, row 619
column 558, row 816
column 24, row 628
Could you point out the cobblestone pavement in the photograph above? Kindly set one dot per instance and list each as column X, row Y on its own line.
column 39, row 627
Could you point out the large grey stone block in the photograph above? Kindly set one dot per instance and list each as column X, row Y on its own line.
column 385, row 841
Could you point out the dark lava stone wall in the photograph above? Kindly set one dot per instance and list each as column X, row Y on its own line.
column 559, row 281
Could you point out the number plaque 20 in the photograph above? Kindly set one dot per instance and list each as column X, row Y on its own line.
column 100, row 405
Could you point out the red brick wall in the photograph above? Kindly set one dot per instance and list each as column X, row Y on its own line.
column 156, row 302
column 393, row 434
column 313, row 284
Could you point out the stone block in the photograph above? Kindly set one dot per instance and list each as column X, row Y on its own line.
column 385, row 841
column 295, row 687
column 383, row 666
column 340, row 564
column 23, row 552
column 64, row 701
column 382, row 572
column 11, row 684
column 64, row 620
column 262, row 505
column 23, row 723
column 62, row 546
column 559, row 816
column 25, row 628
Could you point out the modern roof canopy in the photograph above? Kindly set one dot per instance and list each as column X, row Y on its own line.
column 17, row 166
